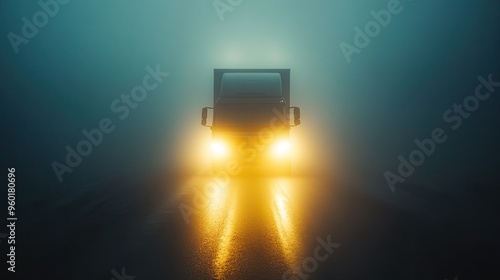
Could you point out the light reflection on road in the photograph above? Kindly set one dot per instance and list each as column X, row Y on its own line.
column 217, row 204
column 282, row 202
column 224, row 249
column 250, row 220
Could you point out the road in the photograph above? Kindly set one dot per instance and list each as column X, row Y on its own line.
column 195, row 227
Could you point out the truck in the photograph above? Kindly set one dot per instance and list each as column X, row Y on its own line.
column 251, row 117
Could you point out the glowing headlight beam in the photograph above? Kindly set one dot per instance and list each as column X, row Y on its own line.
column 282, row 148
column 219, row 149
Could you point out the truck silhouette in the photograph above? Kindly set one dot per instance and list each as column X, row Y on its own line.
column 250, row 124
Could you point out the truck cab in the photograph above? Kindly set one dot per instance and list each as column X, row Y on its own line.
column 250, row 121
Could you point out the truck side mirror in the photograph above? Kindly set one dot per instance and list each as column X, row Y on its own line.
column 296, row 115
column 204, row 113
column 204, row 116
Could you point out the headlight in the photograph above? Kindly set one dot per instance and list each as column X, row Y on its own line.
column 219, row 149
column 281, row 148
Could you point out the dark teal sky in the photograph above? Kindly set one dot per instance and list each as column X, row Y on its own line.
column 356, row 117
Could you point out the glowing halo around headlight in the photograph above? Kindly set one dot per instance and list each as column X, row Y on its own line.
column 219, row 149
column 281, row 148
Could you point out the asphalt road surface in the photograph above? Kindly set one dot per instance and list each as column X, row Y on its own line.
column 198, row 227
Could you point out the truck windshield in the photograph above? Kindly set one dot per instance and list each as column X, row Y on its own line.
column 244, row 116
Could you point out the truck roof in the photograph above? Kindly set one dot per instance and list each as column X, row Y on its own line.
column 252, row 83
column 235, row 85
